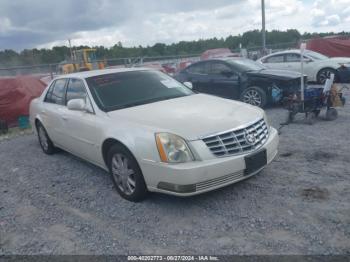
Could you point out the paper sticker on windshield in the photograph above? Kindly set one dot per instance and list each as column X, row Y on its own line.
column 170, row 83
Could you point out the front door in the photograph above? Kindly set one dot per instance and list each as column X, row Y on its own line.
column 223, row 81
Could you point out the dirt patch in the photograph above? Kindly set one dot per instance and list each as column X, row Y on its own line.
column 315, row 193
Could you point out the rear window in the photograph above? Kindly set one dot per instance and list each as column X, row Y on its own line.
column 127, row 89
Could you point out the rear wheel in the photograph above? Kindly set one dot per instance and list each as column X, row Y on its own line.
column 254, row 95
column 44, row 140
column 126, row 174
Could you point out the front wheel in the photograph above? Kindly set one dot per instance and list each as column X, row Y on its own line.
column 126, row 174
column 324, row 74
column 254, row 95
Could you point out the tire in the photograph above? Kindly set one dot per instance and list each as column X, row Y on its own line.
column 255, row 96
column 44, row 140
column 331, row 114
column 325, row 73
column 126, row 174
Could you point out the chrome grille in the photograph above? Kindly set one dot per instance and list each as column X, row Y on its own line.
column 219, row 181
column 236, row 142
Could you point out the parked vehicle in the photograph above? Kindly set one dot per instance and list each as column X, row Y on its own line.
column 317, row 67
column 240, row 78
column 151, row 132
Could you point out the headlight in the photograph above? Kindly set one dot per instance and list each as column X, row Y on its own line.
column 172, row 148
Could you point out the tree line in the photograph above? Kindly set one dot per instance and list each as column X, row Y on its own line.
column 250, row 40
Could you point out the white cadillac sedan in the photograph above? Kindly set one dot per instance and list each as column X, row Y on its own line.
column 151, row 132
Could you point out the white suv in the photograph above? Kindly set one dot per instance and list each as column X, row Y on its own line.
column 151, row 132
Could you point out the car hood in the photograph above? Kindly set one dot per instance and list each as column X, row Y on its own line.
column 275, row 74
column 190, row 117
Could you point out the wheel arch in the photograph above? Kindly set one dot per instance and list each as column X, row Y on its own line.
column 108, row 143
column 326, row 67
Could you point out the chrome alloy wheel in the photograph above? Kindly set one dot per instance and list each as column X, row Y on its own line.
column 252, row 97
column 43, row 139
column 324, row 75
column 124, row 176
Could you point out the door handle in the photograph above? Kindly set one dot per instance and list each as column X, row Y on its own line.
column 64, row 117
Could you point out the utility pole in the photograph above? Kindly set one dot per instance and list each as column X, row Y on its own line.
column 263, row 26
column 70, row 49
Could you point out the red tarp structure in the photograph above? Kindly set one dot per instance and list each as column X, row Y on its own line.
column 15, row 96
column 336, row 46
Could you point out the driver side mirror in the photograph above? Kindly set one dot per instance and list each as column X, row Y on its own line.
column 307, row 60
column 77, row 104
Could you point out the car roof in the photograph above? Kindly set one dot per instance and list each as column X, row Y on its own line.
column 86, row 74
column 220, row 59
column 284, row 52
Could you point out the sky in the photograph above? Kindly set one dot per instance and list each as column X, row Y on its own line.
column 46, row 23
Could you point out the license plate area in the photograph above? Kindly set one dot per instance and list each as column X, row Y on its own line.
column 255, row 161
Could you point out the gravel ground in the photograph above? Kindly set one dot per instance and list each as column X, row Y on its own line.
column 300, row 204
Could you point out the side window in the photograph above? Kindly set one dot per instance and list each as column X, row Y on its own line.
column 55, row 94
column 275, row 59
column 292, row 58
column 217, row 68
column 75, row 89
column 200, row 68
column 49, row 93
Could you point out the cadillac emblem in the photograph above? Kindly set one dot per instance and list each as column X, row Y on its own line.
column 249, row 137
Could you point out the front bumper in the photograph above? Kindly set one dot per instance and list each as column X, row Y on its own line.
column 197, row 177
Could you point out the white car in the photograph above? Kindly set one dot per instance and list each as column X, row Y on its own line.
column 317, row 67
column 151, row 132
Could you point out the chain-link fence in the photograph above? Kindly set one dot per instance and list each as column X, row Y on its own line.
column 51, row 70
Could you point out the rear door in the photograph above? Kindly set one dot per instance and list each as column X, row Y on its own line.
column 51, row 112
column 82, row 129
column 223, row 81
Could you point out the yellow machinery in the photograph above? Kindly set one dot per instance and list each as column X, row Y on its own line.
column 82, row 60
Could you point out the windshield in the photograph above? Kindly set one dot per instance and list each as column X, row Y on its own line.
column 244, row 65
column 315, row 55
column 126, row 89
